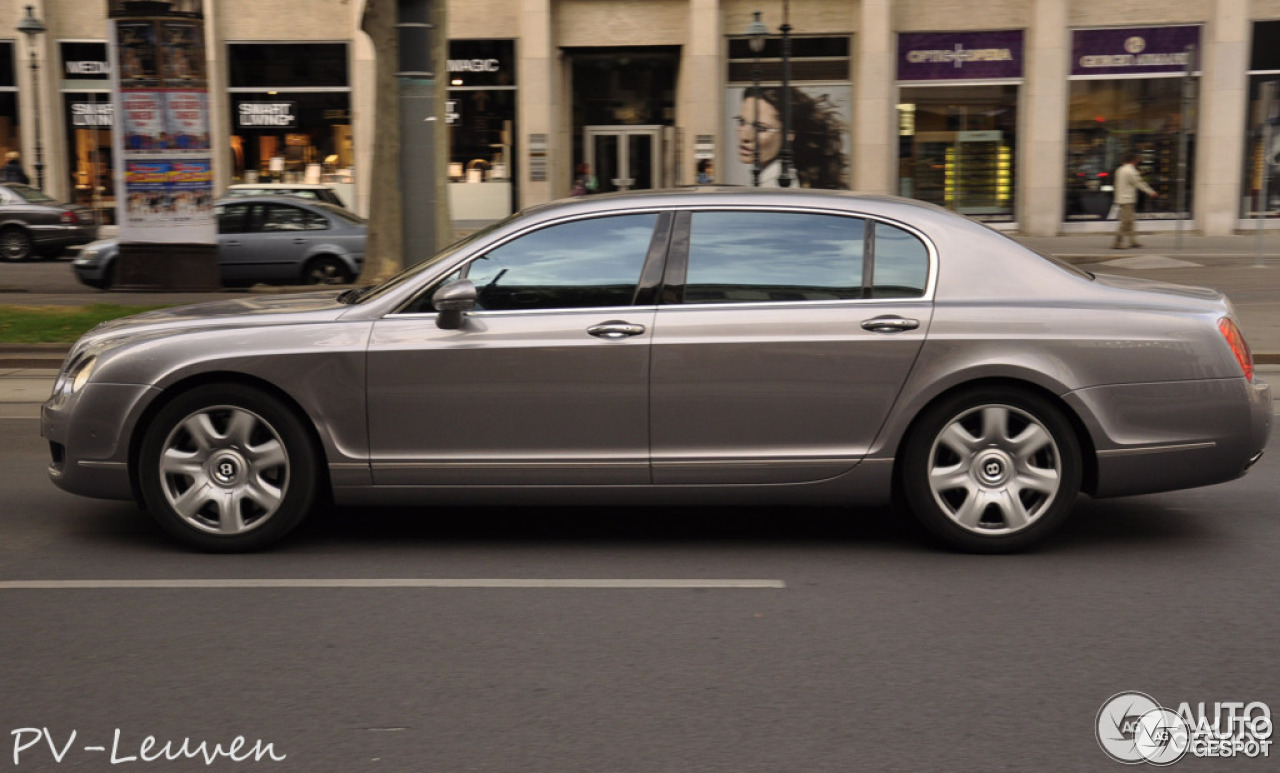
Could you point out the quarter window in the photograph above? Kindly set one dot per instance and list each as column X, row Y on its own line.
column 753, row 257
column 901, row 264
column 581, row 264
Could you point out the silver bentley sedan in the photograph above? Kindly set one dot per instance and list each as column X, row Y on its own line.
column 695, row 346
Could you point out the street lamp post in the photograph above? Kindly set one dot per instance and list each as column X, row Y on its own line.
column 756, row 31
column 784, row 176
column 32, row 27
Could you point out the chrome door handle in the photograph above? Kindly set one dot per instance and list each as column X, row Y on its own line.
column 890, row 324
column 615, row 329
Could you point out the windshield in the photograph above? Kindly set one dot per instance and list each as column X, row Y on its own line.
column 408, row 274
column 31, row 195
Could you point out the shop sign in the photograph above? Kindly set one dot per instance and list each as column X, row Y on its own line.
column 267, row 115
column 934, row 56
column 86, row 115
column 1132, row 50
column 85, row 61
column 482, row 62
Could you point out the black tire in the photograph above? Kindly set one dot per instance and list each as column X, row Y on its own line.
column 992, row 469
column 226, row 468
column 16, row 244
column 326, row 270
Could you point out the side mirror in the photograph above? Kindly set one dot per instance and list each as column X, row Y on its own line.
column 451, row 301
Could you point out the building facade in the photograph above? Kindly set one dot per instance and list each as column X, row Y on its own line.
column 1015, row 112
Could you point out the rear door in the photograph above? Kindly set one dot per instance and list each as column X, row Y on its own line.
column 783, row 341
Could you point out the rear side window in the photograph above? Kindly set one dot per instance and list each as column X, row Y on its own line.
column 231, row 218
column 901, row 264
column 754, row 257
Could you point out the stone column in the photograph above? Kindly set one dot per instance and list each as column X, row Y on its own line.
column 700, row 109
column 1042, row 151
column 1222, row 124
column 537, row 77
column 219, row 100
column 875, row 116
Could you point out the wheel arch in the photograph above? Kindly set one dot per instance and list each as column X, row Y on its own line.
column 324, row 251
column 1088, row 453
column 324, row 488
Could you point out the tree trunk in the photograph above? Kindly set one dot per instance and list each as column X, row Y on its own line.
column 384, row 247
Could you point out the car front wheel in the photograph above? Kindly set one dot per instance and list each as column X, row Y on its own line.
column 992, row 470
column 227, row 468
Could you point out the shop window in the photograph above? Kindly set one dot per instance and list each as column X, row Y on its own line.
column 1111, row 118
column 956, row 148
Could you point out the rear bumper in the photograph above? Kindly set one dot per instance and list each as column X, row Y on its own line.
column 1173, row 435
column 61, row 235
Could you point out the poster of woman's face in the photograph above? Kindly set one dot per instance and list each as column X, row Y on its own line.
column 819, row 135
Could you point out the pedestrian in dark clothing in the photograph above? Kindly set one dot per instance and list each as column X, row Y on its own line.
column 12, row 172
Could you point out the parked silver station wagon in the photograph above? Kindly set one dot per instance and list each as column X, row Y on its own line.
column 694, row 346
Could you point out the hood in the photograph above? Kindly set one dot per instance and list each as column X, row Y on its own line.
column 320, row 306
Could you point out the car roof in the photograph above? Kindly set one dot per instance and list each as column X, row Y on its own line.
column 894, row 207
column 280, row 186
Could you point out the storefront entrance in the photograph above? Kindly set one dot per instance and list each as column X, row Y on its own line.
column 624, row 115
column 625, row 158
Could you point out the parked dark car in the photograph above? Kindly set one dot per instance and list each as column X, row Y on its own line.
column 270, row 239
column 745, row 345
column 33, row 224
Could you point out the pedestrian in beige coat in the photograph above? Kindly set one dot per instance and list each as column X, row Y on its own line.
column 1128, row 182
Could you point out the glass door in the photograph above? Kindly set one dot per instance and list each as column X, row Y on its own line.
column 625, row 158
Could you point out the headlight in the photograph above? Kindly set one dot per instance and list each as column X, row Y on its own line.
column 76, row 376
column 88, row 253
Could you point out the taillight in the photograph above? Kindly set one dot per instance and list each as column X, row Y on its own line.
column 1235, row 339
column 69, row 218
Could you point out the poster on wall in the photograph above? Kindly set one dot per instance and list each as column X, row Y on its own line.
column 820, row 118
column 163, row 133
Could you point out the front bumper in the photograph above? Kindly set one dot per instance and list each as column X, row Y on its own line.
column 89, row 436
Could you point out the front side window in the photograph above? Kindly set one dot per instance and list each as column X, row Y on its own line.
column 581, row 264
column 754, row 257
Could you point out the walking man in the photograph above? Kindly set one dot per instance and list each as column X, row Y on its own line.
column 1128, row 182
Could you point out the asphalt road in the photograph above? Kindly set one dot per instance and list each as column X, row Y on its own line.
column 876, row 652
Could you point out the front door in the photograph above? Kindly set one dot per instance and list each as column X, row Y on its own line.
column 625, row 158
column 547, row 382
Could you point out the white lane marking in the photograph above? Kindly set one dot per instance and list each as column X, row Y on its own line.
column 387, row 583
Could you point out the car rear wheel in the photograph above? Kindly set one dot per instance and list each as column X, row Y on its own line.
column 227, row 468
column 15, row 244
column 326, row 270
column 992, row 470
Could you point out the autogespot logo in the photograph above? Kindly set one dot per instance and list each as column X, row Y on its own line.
column 1132, row 728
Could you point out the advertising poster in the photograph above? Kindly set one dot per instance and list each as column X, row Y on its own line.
column 147, row 186
column 190, row 191
column 136, row 50
column 187, row 119
column 820, row 118
column 182, row 52
column 144, row 125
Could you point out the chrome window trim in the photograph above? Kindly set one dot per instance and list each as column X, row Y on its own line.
column 453, row 265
